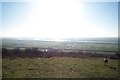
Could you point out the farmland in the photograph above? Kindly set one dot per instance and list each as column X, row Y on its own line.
column 74, row 45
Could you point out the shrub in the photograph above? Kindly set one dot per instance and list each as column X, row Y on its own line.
column 4, row 52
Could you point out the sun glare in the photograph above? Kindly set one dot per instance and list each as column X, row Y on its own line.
column 58, row 19
column 57, row 40
column 55, row 19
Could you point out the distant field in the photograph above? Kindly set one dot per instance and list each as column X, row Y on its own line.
column 13, row 43
column 59, row 67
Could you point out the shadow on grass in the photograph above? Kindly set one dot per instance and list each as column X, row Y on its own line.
column 113, row 68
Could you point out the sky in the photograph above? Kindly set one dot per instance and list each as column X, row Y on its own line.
column 59, row 19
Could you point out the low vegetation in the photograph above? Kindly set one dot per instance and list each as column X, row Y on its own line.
column 54, row 63
column 47, row 53
column 59, row 67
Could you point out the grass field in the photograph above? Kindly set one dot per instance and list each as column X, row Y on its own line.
column 59, row 67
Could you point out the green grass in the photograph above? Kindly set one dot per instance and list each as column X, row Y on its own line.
column 0, row 67
column 58, row 67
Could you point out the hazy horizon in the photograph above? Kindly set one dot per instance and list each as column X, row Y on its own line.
column 65, row 39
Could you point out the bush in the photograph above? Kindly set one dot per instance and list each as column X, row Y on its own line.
column 4, row 52
column 16, row 51
column 35, row 50
column 27, row 50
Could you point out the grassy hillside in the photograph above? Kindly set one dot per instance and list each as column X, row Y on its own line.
column 49, row 59
column 59, row 67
